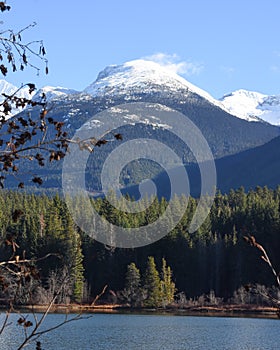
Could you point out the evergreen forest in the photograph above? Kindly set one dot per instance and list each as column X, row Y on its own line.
column 214, row 261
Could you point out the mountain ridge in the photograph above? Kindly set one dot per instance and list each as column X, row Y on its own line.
column 249, row 169
column 253, row 106
column 138, row 75
column 135, row 74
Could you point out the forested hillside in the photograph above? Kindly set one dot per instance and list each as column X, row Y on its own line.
column 213, row 258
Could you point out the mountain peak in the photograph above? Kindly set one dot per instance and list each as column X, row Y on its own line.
column 132, row 75
column 135, row 66
column 140, row 76
column 253, row 106
column 52, row 92
column 247, row 93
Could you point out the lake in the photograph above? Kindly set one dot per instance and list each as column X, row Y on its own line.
column 152, row 332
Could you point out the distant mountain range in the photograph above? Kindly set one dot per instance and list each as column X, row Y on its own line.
column 259, row 166
column 239, row 122
column 49, row 91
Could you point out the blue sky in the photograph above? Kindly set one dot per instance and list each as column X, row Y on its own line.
column 217, row 45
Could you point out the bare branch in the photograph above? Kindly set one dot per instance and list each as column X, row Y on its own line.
column 99, row 296
column 5, row 322
column 25, row 261
column 252, row 241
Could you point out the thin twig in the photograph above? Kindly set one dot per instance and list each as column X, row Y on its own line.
column 5, row 322
column 24, row 261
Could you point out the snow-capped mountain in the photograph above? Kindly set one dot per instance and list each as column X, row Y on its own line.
column 253, row 106
column 9, row 89
column 142, row 76
column 50, row 92
column 148, row 82
column 53, row 92
column 147, row 77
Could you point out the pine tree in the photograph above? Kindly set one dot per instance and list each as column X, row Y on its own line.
column 167, row 285
column 78, row 269
column 73, row 256
column 152, row 284
column 133, row 291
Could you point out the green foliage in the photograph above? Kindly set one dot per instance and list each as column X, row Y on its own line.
column 74, row 257
column 77, row 268
column 167, row 285
column 153, row 289
column 133, row 292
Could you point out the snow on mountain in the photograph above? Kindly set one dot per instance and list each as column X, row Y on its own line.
column 253, row 106
column 271, row 109
column 9, row 89
column 53, row 92
column 142, row 76
column 49, row 91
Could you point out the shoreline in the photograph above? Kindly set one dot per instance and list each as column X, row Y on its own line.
column 216, row 311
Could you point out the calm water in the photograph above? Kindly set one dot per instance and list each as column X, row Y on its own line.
column 152, row 332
